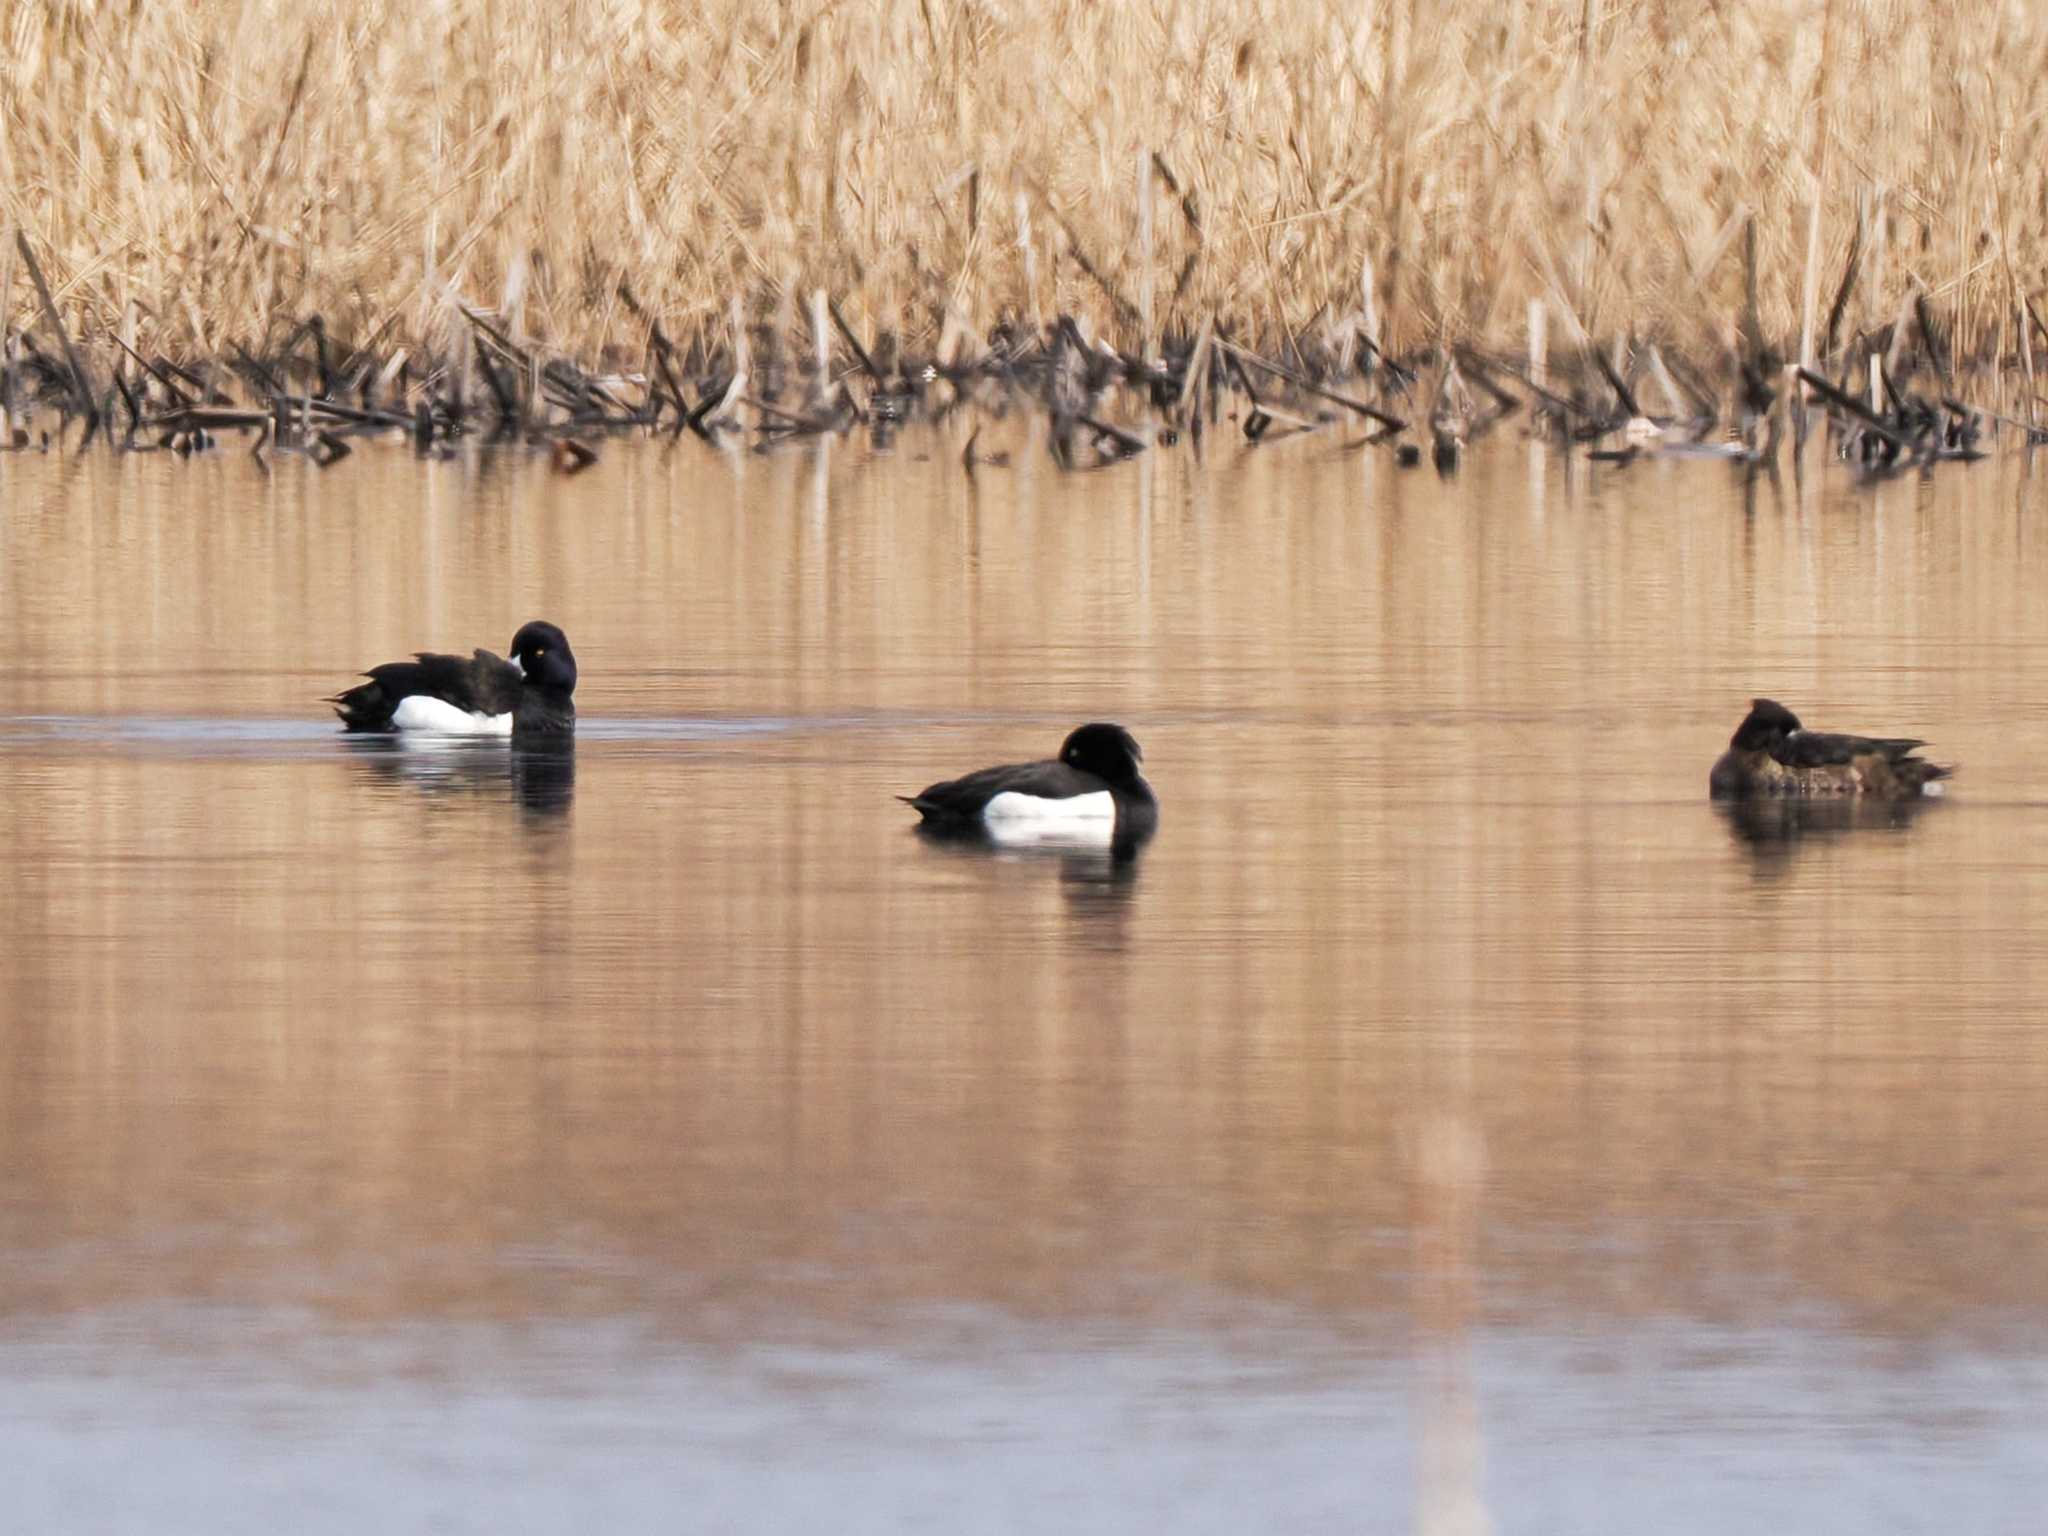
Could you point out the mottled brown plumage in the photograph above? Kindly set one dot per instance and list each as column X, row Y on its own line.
column 1772, row 754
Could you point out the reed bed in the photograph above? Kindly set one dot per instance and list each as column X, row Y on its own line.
column 1319, row 181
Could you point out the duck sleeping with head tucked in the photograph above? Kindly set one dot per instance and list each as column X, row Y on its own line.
column 1773, row 754
column 1092, row 793
column 529, row 697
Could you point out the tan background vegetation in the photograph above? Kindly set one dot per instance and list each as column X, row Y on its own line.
column 218, row 164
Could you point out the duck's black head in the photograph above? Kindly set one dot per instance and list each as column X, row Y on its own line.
column 1107, row 751
column 543, row 654
column 1767, row 724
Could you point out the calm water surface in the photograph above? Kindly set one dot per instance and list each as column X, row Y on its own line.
column 1451, row 1122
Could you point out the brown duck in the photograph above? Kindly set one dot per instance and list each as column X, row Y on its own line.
column 1772, row 754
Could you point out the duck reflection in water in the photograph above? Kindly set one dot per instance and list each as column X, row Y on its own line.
column 1096, row 881
column 1773, row 830
column 1087, row 860
column 540, row 777
column 1097, row 885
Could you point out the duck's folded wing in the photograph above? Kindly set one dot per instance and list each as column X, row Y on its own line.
column 495, row 682
column 483, row 684
column 1825, row 749
column 969, row 796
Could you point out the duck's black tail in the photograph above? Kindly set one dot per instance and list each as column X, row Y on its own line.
column 1918, row 774
column 365, row 707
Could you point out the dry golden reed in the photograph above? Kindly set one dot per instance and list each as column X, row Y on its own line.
column 201, row 169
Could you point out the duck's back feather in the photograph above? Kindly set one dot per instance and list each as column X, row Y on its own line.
column 967, row 798
column 1872, row 765
column 483, row 684
column 1821, row 749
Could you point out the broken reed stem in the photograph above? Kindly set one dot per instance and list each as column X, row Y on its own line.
column 1589, row 27
column 1028, row 249
column 1145, row 331
column 1809, row 296
column 81, row 381
column 1195, row 378
column 1369, row 304
column 734, row 403
column 821, row 343
column 7, row 254
column 2027, row 359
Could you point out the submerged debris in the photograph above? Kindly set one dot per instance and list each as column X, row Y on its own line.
column 571, row 457
column 311, row 394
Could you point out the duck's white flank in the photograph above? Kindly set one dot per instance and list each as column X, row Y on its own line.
column 428, row 715
column 1019, row 819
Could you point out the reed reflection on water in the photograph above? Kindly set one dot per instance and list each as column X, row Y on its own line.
column 1449, row 1117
